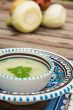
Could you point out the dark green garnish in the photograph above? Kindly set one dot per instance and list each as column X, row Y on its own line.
column 20, row 71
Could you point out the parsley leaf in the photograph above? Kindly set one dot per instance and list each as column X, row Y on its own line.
column 20, row 71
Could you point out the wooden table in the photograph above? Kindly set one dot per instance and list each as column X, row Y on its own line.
column 55, row 40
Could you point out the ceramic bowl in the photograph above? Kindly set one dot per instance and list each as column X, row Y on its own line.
column 30, row 84
column 60, row 83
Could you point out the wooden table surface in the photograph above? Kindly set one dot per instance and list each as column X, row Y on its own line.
column 55, row 40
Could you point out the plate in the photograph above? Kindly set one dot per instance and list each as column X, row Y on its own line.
column 60, row 83
column 59, row 103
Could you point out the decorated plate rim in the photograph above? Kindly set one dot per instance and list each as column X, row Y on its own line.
column 42, row 96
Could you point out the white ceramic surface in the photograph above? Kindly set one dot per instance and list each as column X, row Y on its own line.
column 30, row 84
column 63, row 69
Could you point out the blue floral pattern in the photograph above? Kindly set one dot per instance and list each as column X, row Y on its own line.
column 57, row 78
column 60, row 83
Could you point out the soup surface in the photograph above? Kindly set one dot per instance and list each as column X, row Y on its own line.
column 22, row 67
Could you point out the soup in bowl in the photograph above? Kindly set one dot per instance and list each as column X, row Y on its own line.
column 24, row 70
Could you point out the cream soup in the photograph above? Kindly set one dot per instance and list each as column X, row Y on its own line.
column 30, row 66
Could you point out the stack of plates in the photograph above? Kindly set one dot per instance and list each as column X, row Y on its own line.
column 61, row 83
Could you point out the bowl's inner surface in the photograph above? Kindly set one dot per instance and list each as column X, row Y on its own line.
column 22, row 66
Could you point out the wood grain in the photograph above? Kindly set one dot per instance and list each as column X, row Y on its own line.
column 55, row 40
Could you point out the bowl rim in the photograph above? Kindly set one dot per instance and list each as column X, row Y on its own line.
column 40, row 96
column 31, row 51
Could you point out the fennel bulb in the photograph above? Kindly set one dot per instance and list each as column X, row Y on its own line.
column 27, row 17
column 54, row 16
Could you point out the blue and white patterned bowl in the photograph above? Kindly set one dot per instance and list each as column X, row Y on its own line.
column 61, row 83
column 30, row 84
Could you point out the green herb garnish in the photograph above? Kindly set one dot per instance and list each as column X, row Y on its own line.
column 20, row 71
